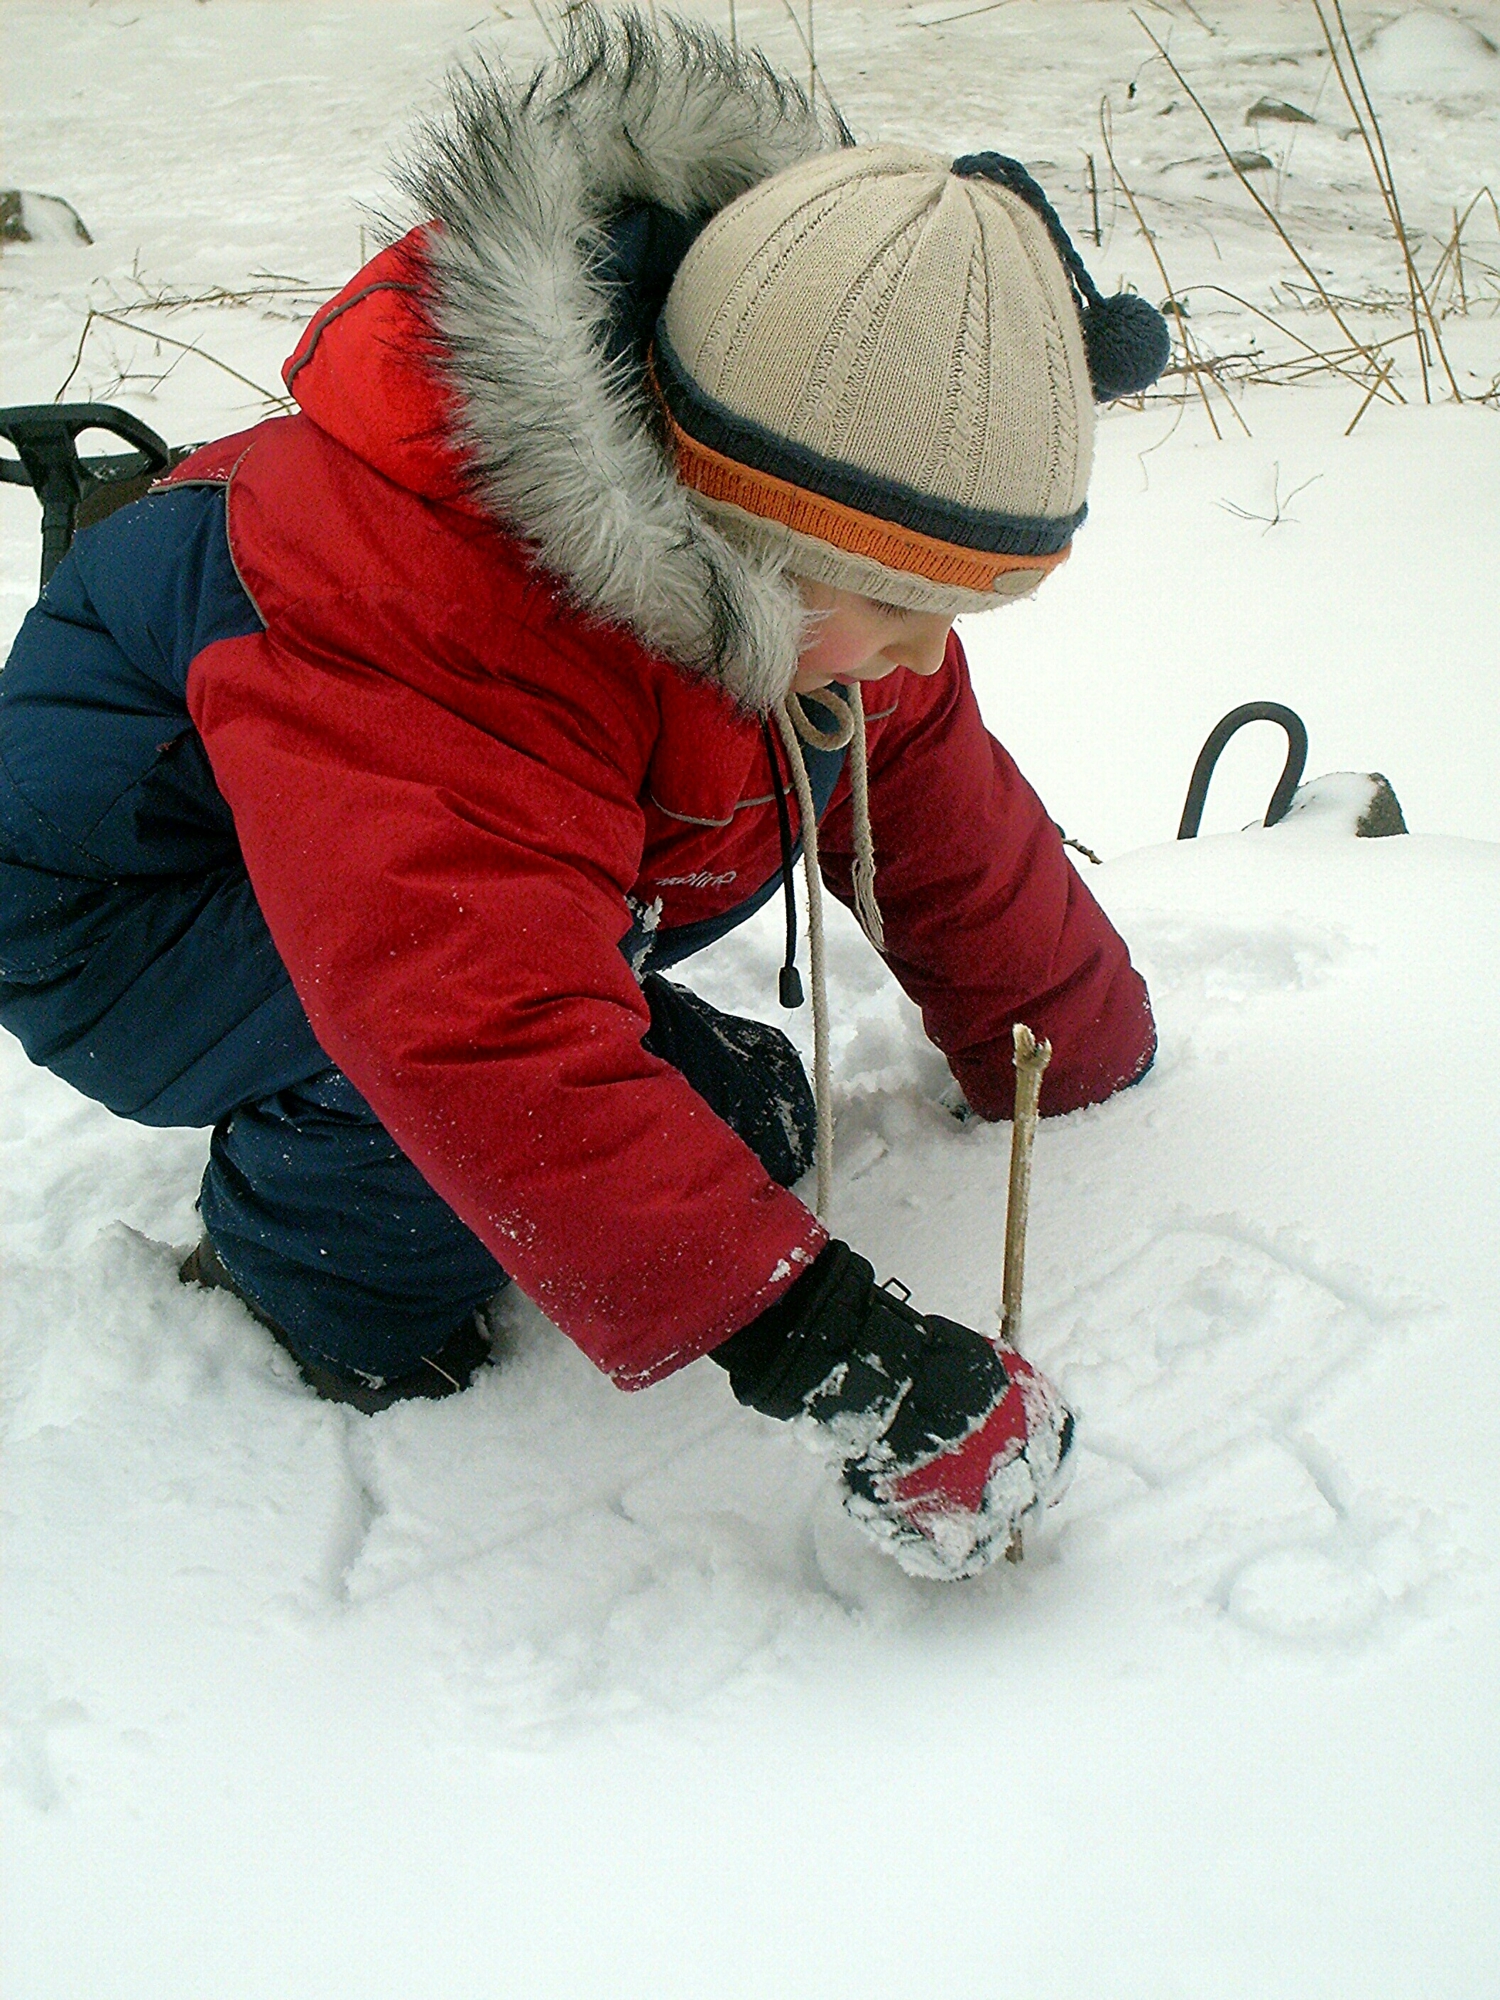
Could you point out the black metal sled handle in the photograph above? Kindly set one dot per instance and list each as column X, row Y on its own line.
column 1219, row 735
column 45, row 436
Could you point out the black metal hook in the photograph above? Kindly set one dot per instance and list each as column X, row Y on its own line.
column 1219, row 735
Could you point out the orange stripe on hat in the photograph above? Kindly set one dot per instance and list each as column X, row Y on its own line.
column 719, row 478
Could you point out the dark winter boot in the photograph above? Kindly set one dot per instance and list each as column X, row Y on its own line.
column 444, row 1372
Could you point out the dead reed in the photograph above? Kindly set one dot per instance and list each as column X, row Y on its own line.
column 1367, row 363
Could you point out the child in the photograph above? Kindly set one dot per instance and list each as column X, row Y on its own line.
column 358, row 786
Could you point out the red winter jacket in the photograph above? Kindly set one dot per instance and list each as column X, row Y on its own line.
column 448, row 778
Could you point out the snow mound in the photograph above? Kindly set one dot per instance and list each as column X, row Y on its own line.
column 1433, row 54
column 26, row 217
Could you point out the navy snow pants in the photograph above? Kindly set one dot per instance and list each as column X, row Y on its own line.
column 320, row 1218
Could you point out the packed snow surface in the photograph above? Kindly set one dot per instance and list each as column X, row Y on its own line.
column 1430, row 52
column 548, row 1690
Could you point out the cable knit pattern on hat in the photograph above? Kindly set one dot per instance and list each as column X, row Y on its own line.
column 873, row 328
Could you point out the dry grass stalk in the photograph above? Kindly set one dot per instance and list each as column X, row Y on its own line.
column 989, row 7
column 1255, row 195
column 1451, row 264
column 1280, row 503
column 815, row 76
column 1313, row 360
column 1380, row 166
column 1192, row 364
column 96, row 317
column 1456, row 248
column 1375, row 302
column 1374, row 389
column 265, row 290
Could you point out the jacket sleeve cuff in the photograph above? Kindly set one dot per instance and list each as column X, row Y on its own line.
column 785, row 1352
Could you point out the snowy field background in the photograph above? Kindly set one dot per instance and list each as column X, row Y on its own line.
column 551, row 1691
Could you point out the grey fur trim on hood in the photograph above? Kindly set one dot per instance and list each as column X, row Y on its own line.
column 564, row 442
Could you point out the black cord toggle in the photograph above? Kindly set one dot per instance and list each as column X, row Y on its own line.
column 789, row 983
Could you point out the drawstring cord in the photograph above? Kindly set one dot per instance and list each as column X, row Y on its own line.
column 822, row 1091
column 848, row 712
column 865, row 906
column 793, row 722
column 789, row 983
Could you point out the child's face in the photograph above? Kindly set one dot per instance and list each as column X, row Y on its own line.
column 857, row 639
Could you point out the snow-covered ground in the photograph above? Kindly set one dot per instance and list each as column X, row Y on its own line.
column 551, row 1691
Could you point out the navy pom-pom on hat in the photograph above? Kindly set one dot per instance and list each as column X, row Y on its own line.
column 1125, row 337
column 1127, row 343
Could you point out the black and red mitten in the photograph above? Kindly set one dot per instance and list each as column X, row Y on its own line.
column 946, row 1440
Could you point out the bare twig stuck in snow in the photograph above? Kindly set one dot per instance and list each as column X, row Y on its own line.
column 1031, row 1060
column 1093, row 186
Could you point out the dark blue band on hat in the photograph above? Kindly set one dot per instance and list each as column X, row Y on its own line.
column 713, row 424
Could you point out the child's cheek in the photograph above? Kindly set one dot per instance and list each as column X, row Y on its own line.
column 841, row 650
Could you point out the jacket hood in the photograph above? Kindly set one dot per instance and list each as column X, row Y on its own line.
column 563, row 203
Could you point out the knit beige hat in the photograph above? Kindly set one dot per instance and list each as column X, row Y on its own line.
column 873, row 365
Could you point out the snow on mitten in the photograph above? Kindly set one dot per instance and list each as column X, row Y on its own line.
column 945, row 1440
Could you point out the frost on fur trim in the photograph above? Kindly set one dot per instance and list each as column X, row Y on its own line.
column 562, row 444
